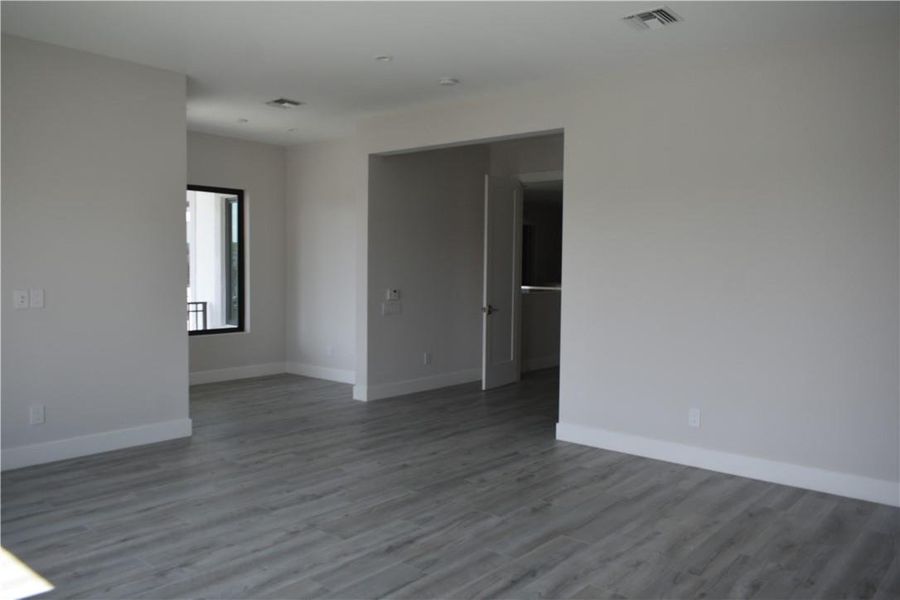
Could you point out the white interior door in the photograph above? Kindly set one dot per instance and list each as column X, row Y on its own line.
column 501, row 320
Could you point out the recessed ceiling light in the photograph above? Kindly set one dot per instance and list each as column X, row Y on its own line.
column 448, row 81
column 284, row 103
column 384, row 58
column 243, row 120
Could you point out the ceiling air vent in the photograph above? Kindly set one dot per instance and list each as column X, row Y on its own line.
column 653, row 19
column 284, row 103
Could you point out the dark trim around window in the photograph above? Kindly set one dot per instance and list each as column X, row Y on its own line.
column 242, row 291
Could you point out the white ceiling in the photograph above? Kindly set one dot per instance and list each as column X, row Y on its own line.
column 238, row 55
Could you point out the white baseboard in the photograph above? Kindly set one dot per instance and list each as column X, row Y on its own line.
column 36, row 454
column 339, row 375
column 410, row 386
column 811, row 478
column 214, row 375
column 540, row 362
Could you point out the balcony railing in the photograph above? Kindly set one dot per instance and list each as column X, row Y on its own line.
column 196, row 312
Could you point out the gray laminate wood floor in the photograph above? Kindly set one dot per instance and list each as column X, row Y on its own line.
column 290, row 489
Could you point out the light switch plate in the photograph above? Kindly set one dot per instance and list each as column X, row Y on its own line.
column 694, row 417
column 20, row 298
column 37, row 414
column 391, row 307
column 36, row 298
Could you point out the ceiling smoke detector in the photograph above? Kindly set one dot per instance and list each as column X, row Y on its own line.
column 284, row 103
column 653, row 19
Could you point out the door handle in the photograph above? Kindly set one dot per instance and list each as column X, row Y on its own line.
column 489, row 309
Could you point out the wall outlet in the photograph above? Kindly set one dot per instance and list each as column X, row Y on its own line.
column 694, row 417
column 20, row 298
column 36, row 414
column 36, row 298
column 426, row 358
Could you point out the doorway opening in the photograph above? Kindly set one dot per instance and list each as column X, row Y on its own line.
column 445, row 302
column 523, row 276
column 541, row 274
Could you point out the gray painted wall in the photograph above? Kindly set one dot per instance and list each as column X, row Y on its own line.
column 93, row 212
column 321, row 244
column 259, row 170
column 322, row 227
column 737, row 252
column 426, row 222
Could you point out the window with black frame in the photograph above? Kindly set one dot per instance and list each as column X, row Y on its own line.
column 215, row 250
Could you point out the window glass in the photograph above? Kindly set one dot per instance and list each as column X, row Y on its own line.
column 214, row 219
